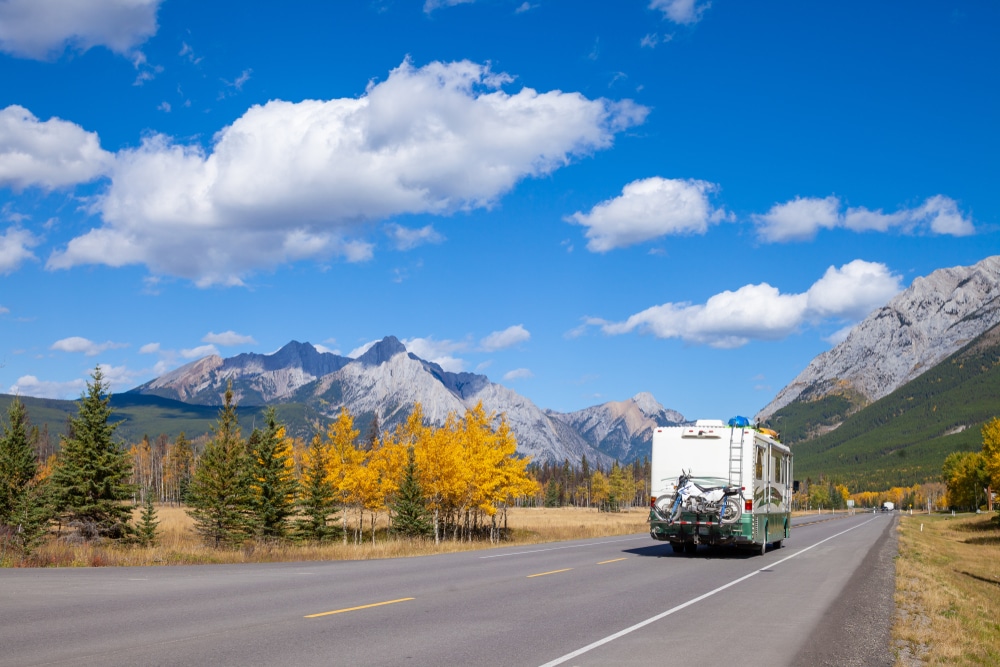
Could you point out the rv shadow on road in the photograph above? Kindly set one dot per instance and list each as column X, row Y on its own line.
column 664, row 550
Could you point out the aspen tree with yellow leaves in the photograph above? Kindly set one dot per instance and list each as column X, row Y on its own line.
column 991, row 452
column 344, row 462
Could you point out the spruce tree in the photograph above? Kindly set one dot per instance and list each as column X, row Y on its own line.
column 317, row 496
column 271, row 480
column 410, row 515
column 148, row 523
column 90, row 479
column 219, row 494
column 24, row 499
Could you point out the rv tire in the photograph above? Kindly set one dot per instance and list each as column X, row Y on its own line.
column 678, row 547
column 690, row 548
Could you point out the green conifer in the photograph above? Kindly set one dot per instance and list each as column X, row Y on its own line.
column 25, row 507
column 148, row 523
column 317, row 497
column 219, row 494
column 410, row 515
column 90, row 479
column 272, row 482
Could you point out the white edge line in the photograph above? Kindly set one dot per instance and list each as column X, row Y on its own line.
column 642, row 624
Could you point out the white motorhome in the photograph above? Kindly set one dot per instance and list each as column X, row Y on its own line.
column 720, row 483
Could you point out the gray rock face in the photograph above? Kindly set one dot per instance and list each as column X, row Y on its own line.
column 917, row 329
column 387, row 381
column 621, row 429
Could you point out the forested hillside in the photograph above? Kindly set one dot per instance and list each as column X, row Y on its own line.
column 903, row 438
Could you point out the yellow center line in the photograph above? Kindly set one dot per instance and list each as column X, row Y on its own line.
column 542, row 574
column 614, row 560
column 364, row 606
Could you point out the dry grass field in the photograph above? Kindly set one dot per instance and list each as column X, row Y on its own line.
column 178, row 544
column 948, row 591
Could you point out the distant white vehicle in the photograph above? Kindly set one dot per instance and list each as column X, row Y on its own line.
column 888, row 507
column 720, row 483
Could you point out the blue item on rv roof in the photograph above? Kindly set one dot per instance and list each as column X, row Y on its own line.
column 739, row 422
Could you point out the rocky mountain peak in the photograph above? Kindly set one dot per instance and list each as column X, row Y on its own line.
column 919, row 327
column 382, row 351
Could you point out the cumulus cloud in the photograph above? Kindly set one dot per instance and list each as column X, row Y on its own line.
column 406, row 238
column 648, row 209
column 518, row 374
column 681, row 11
column 228, row 338
column 43, row 29
column 84, row 345
column 50, row 154
column 295, row 180
column 150, row 348
column 29, row 385
column 499, row 340
column 15, row 249
column 199, row 352
column 439, row 352
column 761, row 312
column 802, row 218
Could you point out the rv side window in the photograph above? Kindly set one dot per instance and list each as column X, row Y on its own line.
column 760, row 463
column 776, row 468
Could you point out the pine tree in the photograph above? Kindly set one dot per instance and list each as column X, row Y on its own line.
column 552, row 493
column 24, row 499
column 91, row 476
column 410, row 515
column 317, row 496
column 148, row 523
column 219, row 494
column 272, row 482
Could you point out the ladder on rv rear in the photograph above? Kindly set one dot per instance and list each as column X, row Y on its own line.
column 736, row 434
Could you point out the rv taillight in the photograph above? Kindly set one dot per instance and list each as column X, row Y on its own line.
column 652, row 501
column 748, row 506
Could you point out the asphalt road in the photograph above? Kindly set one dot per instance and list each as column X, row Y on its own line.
column 824, row 598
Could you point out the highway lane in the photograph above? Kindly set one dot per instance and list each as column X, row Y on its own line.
column 622, row 600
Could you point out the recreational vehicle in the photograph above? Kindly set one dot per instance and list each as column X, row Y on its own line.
column 720, row 484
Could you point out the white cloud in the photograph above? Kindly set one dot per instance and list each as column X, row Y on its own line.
column 798, row 220
column 681, row 11
column 199, row 352
column 4, row 311
column 942, row 215
column 43, row 29
column 326, row 350
column 15, row 249
column 150, row 348
column 853, row 290
column 761, row 312
column 361, row 349
column 290, row 181
column 84, row 345
column 405, row 238
column 648, row 209
column 29, row 385
column 431, row 5
column 801, row 219
column 499, row 340
column 50, row 154
column 438, row 351
column 518, row 374
column 228, row 338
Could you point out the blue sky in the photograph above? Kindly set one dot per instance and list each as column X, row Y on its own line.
column 581, row 200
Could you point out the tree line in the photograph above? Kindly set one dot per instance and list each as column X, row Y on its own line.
column 969, row 476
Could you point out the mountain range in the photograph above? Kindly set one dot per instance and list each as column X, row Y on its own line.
column 385, row 383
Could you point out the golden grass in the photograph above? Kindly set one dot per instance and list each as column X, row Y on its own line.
column 948, row 591
column 178, row 544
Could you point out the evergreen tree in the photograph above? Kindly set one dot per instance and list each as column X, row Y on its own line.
column 552, row 493
column 410, row 515
column 219, row 494
column 24, row 499
column 148, row 523
column 18, row 466
column 318, row 496
column 90, row 479
column 272, row 482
